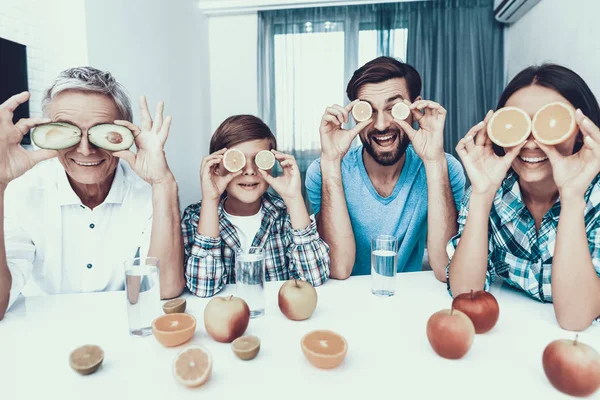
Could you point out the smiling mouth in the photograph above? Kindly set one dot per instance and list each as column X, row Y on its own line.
column 88, row 164
column 384, row 140
column 533, row 160
column 248, row 185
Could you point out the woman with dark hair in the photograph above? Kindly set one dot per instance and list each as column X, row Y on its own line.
column 532, row 213
column 237, row 212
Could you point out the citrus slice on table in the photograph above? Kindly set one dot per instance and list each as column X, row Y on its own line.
column 554, row 123
column 362, row 111
column 246, row 347
column 174, row 306
column 400, row 111
column 324, row 349
column 509, row 126
column 192, row 367
column 265, row 159
column 234, row 160
column 173, row 329
column 86, row 359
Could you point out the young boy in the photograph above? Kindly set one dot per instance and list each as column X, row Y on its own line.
column 237, row 212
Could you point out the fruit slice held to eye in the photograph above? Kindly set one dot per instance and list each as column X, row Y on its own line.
column 234, row 160
column 554, row 123
column 111, row 137
column 56, row 136
column 362, row 111
column 400, row 111
column 264, row 160
column 509, row 126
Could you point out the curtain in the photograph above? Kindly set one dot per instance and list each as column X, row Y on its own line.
column 307, row 56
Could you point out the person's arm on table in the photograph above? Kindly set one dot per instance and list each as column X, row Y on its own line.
column 333, row 219
column 575, row 274
column 309, row 255
column 204, row 268
column 468, row 265
column 14, row 162
column 428, row 143
column 150, row 164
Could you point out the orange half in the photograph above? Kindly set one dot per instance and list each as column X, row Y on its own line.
column 509, row 126
column 174, row 329
column 554, row 123
column 324, row 349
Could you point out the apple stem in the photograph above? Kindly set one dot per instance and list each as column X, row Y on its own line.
column 230, row 297
column 451, row 310
column 471, row 294
column 296, row 282
column 576, row 337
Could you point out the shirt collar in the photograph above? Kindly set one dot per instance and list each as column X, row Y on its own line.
column 509, row 202
column 272, row 205
column 67, row 196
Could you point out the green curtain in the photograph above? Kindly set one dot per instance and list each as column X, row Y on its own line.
column 456, row 45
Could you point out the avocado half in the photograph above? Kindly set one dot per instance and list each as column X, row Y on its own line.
column 111, row 137
column 56, row 135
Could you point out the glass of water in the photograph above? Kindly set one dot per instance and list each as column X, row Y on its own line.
column 384, row 258
column 250, row 279
column 142, row 290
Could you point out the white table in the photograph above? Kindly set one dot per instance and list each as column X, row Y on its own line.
column 389, row 355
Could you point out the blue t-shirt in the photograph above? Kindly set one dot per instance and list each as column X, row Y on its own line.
column 403, row 214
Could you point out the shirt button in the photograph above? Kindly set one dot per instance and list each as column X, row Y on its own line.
column 89, row 266
column 92, row 226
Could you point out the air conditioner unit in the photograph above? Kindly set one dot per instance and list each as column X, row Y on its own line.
column 509, row 11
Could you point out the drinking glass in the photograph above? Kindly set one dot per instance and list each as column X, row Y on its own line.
column 250, row 279
column 384, row 259
column 142, row 289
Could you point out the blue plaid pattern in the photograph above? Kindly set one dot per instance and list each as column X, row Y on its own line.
column 289, row 253
column 516, row 252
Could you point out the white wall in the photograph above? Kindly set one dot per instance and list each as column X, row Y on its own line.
column 233, row 66
column 564, row 32
column 159, row 48
column 55, row 35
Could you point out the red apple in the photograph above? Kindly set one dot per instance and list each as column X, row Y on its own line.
column 297, row 299
column 226, row 318
column 481, row 307
column 450, row 333
column 572, row 367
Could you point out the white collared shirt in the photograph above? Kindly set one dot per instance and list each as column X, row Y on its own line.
column 55, row 244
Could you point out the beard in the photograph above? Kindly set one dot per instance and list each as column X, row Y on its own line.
column 386, row 158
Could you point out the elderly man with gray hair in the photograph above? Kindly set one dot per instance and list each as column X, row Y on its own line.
column 73, row 211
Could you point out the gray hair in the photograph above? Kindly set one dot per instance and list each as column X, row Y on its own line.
column 89, row 79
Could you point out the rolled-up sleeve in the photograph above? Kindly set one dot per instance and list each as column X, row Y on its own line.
column 453, row 244
column 308, row 254
column 20, row 249
column 594, row 245
column 204, row 269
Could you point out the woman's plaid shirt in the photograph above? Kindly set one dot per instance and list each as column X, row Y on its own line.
column 289, row 253
column 519, row 253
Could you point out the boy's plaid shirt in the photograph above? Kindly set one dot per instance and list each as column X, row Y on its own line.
column 516, row 252
column 289, row 253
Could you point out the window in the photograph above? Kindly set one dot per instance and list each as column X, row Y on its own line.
column 367, row 44
column 313, row 62
column 309, row 76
